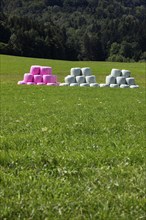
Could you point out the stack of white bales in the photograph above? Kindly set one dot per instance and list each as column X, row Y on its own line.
column 120, row 78
column 80, row 77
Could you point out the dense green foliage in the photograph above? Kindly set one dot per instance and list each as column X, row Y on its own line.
column 71, row 153
column 74, row 29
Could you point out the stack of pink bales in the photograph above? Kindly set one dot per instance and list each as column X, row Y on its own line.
column 39, row 75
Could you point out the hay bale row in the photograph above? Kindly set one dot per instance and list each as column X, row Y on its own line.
column 77, row 71
column 80, row 77
column 121, row 79
column 39, row 75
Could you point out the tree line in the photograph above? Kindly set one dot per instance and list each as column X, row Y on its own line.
column 74, row 29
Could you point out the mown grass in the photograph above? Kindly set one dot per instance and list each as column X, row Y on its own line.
column 71, row 153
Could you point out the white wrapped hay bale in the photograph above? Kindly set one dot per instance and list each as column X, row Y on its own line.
column 102, row 85
column 120, row 80
column 115, row 72
column 94, row 85
column 74, row 84
column 90, row 79
column 130, row 81
column 110, row 79
column 114, row 86
column 80, row 79
column 124, row 86
column 75, row 71
column 70, row 79
column 126, row 73
column 134, row 86
column 84, row 85
column 86, row 71
column 64, row 84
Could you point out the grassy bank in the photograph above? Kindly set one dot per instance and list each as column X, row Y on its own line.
column 71, row 153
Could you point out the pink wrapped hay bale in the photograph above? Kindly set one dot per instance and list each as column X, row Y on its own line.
column 52, row 84
column 38, row 78
column 54, row 79
column 21, row 83
column 46, row 70
column 35, row 70
column 30, row 83
column 28, row 77
column 49, row 79
column 40, row 84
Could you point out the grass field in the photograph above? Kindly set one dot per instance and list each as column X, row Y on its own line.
column 71, row 153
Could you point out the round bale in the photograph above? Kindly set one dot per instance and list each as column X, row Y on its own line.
column 120, row 80
column 64, row 84
column 114, row 86
column 94, row 85
column 90, row 79
column 30, row 83
column 35, row 70
column 110, row 79
column 115, row 72
column 21, row 83
column 124, row 86
column 84, row 85
column 70, row 79
column 104, row 85
column 38, row 78
column 52, row 84
column 46, row 70
column 126, row 73
column 28, row 77
column 74, row 84
column 134, row 86
column 130, row 81
column 86, row 71
column 75, row 71
column 80, row 79
column 40, row 84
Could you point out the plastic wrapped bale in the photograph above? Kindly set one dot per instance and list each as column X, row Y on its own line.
column 49, row 79
column 90, row 79
column 38, row 78
column 126, row 73
column 35, row 70
column 21, row 83
column 64, row 84
column 86, row 71
column 46, row 70
column 114, row 86
column 120, row 80
column 52, row 84
column 54, row 79
column 75, row 71
column 28, row 77
column 110, row 80
column 130, row 81
column 84, row 85
column 102, row 85
column 80, row 79
column 70, row 79
column 30, row 83
column 124, row 86
column 41, row 84
column 94, row 85
column 116, row 72
column 134, row 86
column 74, row 84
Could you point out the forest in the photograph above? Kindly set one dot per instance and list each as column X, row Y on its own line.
column 97, row 30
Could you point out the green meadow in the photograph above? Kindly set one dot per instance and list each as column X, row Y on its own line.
column 71, row 153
